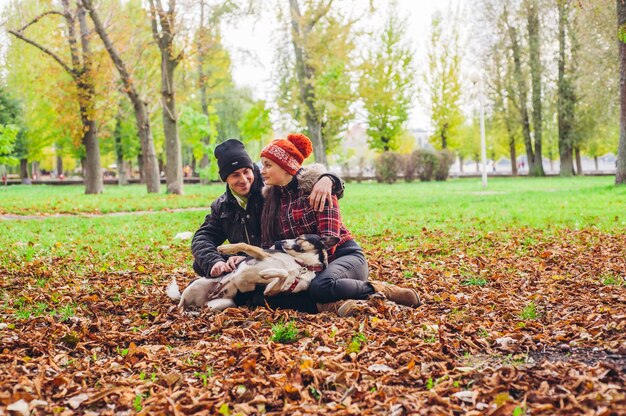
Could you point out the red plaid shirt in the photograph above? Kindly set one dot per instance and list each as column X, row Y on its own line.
column 297, row 217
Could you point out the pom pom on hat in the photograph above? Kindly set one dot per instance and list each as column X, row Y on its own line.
column 302, row 143
column 289, row 153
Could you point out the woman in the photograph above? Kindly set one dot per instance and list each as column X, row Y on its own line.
column 287, row 213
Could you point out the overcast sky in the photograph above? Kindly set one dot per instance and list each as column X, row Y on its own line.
column 252, row 46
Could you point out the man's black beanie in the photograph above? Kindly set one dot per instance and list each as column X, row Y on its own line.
column 231, row 155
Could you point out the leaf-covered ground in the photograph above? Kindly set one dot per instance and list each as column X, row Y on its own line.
column 532, row 323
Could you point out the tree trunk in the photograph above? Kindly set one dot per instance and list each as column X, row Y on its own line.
column 523, row 94
column 512, row 155
column 595, row 161
column 94, row 183
column 149, row 164
column 565, row 105
column 579, row 162
column 461, row 163
column 163, row 32
column 305, row 74
column 536, row 169
column 174, row 163
column 142, row 178
column 204, row 102
column 620, row 173
column 59, row 165
column 36, row 173
column 150, row 169
column 122, row 178
column 444, row 136
column 24, row 173
column 92, row 179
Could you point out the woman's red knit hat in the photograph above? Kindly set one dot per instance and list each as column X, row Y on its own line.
column 289, row 153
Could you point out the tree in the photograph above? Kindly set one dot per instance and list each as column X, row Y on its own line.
column 163, row 29
column 566, row 100
column 620, row 175
column 125, row 143
column 214, row 83
column 8, row 134
column 504, row 116
column 150, row 163
column 387, row 85
column 522, row 88
column 198, row 133
column 442, row 82
column 256, row 127
column 80, row 69
column 9, row 127
column 321, row 40
column 534, row 46
column 596, row 127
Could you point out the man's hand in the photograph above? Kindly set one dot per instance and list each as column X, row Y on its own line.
column 220, row 268
column 322, row 192
column 234, row 261
column 227, row 266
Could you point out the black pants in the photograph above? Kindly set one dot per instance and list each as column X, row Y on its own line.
column 300, row 301
column 345, row 277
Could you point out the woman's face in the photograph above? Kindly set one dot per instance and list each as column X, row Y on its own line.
column 274, row 174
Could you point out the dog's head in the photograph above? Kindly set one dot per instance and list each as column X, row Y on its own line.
column 310, row 249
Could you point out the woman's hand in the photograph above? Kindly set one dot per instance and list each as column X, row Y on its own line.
column 321, row 193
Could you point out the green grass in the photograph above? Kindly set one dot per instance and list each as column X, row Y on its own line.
column 388, row 215
column 50, row 199
column 371, row 208
column 462, row 204
column 285, row 333
column 529, row 312
column 475, row 281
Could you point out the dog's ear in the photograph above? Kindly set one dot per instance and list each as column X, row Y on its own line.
column 329, row 241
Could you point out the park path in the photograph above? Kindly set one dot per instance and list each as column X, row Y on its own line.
column 11, row 217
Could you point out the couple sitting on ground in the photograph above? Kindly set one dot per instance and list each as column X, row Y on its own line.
column 296, row 200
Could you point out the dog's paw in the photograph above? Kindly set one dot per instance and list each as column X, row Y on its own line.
column 272, row 288
column 270, row 273
column 228, row 249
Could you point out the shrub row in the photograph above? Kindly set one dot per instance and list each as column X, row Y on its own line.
column 423, row 164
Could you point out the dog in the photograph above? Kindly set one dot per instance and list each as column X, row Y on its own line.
column 290, row 269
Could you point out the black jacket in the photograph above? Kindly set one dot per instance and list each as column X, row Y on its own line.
column 228, row 221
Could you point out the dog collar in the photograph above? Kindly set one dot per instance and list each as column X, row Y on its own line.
column 293, row 285
column 311, row 268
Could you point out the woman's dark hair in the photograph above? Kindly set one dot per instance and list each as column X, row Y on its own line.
column 269, row 218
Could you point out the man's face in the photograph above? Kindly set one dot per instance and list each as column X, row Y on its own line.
column 240, row 181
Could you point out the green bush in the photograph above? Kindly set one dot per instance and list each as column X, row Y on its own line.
column 426, row 163
column 445, row 161
column 387, row 166
column 410, row 167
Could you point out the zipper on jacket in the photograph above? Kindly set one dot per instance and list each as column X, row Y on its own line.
column 245, row 229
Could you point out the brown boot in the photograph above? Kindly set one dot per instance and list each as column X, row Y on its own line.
column 342, row 308
column 397, row 294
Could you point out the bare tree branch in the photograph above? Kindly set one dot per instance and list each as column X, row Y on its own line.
column 45, row 50
column 108, row 44
column 38, row 18
column 71, row 36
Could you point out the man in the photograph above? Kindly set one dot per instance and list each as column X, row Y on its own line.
column 236, row 216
